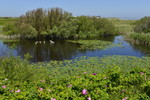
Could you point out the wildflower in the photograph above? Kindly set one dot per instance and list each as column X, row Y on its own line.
column 53, row 99
column 41, row 89
column 84, row 91
column 94, row 74
column 125, row 98
column 18, row 91
column 4, row 87
column 142, row 73
column 89, row 98
column 70, row 85
column 85, row 72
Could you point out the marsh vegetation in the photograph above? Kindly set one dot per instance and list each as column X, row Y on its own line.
column 52, row 71
column 106, row 78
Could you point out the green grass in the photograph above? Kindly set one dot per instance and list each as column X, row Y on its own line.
column 107, row 78
column 124, row 26
column 6, row 20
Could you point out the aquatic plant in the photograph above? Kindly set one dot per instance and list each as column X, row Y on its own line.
column 117, row 77
column 91, row 44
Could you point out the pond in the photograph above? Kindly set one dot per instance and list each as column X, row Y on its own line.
column 44, row 50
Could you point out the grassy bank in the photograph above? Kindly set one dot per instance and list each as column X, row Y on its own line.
column 107, row 78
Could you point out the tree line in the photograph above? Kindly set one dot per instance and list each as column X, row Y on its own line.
column 57, row 23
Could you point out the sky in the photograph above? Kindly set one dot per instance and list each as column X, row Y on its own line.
column 130, row 9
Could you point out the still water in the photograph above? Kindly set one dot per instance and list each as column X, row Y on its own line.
column 61, row 50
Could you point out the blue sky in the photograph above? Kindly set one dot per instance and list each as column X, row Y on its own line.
column 131, row 9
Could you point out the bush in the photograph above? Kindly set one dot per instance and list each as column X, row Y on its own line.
column 16, row 69
column 57, row 23
column 143, row 25
column 112, row 77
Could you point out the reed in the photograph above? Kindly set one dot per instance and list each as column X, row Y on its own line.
column 139, row 38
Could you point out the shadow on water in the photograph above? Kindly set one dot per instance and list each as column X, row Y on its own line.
column 61, row 50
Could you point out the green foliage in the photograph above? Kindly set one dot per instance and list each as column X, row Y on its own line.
column 107, row 78
column 92, row 27
column 26, row 30
column 91, row 44
column 139, row 38
column 9, row 29
column 6, row 20
column 142, row 25
column 57, row 23
column 27, row 56
column 142, row 32
column 124, row 26
column 1, row 29
column 17, row 70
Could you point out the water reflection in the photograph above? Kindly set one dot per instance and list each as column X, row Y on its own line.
column 60, row 50
column 44, row 51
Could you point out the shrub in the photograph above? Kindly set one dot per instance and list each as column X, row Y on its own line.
column 57, row 23
column 143, row 25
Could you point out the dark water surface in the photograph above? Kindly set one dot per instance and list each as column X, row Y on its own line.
column 61, row 50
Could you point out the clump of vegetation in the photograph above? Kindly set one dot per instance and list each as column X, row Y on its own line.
column 57, row 23
column 142, row 25
column 19, row 70
column 112, row 77
column 139, row 38
column 142, row 32
column 91, row 44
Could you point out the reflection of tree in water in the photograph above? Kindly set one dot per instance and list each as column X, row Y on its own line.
column 60, row 50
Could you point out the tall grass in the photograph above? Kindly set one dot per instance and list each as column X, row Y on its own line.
column 139, row 38
column 124, row 26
